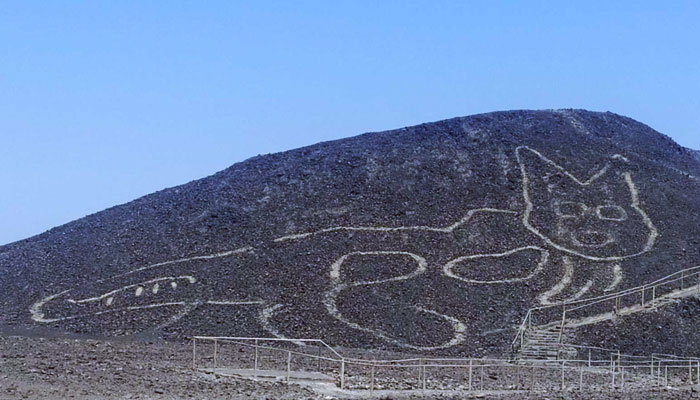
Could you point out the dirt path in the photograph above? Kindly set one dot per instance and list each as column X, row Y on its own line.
column 57, row 368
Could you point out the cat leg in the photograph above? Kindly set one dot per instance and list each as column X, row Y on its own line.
column 582, row 279
column 382, row 307
column 547, row 297
column 617, row 278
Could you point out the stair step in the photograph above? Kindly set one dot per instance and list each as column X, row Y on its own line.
column 541, row 352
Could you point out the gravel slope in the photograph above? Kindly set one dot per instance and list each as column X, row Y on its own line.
column 202, row 258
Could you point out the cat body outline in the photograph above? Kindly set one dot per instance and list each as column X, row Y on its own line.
column 571, row 242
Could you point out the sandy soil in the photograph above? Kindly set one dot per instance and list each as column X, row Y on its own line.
column 60, row 368
column 36, row 368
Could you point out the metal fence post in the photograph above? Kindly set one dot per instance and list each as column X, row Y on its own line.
column 470, row 373
column 690, row 372
column 420, row 370
column 580, row 378
column 342, row 373
column 682, row 280
column 481, row 373
column 666, row 375
column 622, row 377
column 319, row 358
column 289, row 364
column 216, row 345
column 562, row 374
column 194, row 353
column 589, row 358
column 255, row 366
column 371, row 383
column 612, row 370
column 563, row 321
column 424, row 379
column 522, row 339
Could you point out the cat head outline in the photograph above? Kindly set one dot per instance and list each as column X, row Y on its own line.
column 598, row 219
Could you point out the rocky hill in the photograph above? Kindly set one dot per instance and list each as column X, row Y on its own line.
column 433, row 238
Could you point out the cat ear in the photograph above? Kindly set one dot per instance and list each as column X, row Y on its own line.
column 535, row 166
column 617, row 169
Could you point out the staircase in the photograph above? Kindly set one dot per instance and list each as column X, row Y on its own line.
column 543, row 343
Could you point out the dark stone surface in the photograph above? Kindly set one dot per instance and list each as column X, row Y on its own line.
column 426, row 175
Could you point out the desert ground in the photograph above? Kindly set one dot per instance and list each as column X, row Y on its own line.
column 79, row 368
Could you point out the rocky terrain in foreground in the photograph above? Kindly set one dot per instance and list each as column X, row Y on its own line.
column 42, row 368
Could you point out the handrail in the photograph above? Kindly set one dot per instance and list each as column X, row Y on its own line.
column 271, row 340
column 641, row 288
column 587, row 302
column 635, row 289
column 655, row 359
column 258, row 346
column 521, row 330
column 676, row 273
column 657, row 355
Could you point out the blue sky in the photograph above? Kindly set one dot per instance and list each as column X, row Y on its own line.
column 103, row 102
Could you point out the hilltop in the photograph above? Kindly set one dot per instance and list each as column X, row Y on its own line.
column 434, row 238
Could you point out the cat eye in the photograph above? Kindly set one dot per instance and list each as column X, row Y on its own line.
column 611, row 213
column 570, row 209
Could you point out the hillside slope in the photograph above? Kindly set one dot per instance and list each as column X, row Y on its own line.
column 434, row 238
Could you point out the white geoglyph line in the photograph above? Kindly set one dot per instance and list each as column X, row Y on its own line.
column 580, row 292
column 266, row 315
column 561, row 285
column 330, row 300
column 422, row 266
column 558, row 167
column 653, row 232
column 187, row 259
column 35, row 309
column 617, row 278
column 574, row 122
column 445, row 229
column 447, row 268
column 186, row 309
column 620, row 157
column 233, row 302
column 189, row 278
column 607, row 316
column 458, row 327
column 529, row 206
column 39, row 316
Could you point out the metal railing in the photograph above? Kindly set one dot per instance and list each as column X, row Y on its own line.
column 607, row 367
column 290, row 356
column 585, row 311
